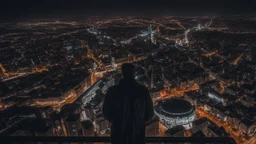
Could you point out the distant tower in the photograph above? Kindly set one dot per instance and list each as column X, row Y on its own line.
column 186, row 36
column 199, row 27
column 151, row 34
column 113, row 62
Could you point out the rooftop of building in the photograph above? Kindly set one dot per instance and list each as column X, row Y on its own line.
column 87, row 124
column 174, row 130
column 73, row 118
column 174, row 107
column 200, row 121
column 198, row 134
column 220, row 131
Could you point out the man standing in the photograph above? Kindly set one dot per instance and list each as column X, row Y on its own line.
column 128, row 106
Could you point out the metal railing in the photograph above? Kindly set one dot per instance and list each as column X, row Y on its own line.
column 82, row 140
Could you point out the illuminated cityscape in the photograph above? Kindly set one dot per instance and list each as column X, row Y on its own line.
column 200, row 71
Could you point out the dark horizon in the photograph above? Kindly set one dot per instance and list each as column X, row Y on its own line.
column 13, row 9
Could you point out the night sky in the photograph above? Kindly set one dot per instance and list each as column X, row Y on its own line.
column 43, row 8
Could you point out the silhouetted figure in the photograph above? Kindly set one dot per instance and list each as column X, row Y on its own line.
column 128, row 106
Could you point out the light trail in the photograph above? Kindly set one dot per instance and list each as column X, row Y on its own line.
column 237, row 59
column 210, row 54
column 179, row 92
column 7, row 74
column 139, row 21
column 3, row 69
column 179, row 23
column 38, row 69
column 210, row 22
column 91, row 55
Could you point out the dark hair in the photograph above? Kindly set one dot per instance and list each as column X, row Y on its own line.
column 128, row 71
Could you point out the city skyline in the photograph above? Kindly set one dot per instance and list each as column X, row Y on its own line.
column 200, row 72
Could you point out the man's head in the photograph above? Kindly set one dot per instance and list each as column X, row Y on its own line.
column 128, row 71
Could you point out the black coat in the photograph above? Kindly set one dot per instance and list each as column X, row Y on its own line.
column 127, row 106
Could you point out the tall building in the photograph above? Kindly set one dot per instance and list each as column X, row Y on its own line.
column 177, row 131
column 73, row 125
column 87, row 128
column 89, row 112
column 101, row 124
column 200, row 125
column 151, row 34
column 248, row 127
column 152, row 128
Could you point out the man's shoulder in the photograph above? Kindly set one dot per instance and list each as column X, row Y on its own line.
column 136, row 85
column 142, row 87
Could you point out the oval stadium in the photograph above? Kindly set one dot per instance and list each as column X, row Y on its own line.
column 173, row 112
